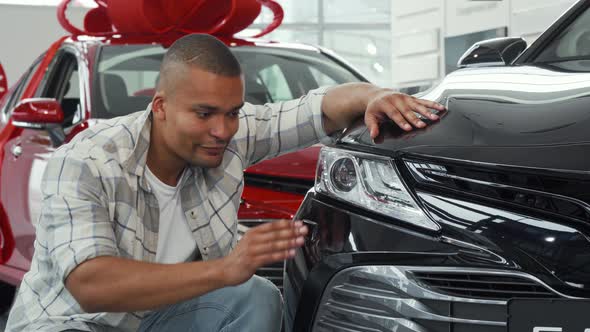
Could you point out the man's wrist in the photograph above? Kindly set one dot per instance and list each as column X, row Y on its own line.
column 375, row 93
column 215, row 275
column 219, row 272
column 345, row 103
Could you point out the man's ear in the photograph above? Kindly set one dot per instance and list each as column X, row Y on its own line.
column 158, row 106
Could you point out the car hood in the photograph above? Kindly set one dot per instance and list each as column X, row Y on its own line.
column 520, row 116
column 513, row 141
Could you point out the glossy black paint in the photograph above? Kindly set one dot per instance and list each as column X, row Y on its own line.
column 346, row 236
column 515, row 194
column 514, row 116
column 342, row 239
column 496, row 51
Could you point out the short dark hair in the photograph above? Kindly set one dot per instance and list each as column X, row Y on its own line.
column 204, row 51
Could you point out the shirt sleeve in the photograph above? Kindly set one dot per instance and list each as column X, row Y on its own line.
column 74, row 222
column 270, row 130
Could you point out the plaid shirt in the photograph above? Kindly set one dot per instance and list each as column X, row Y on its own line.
column 97, row 202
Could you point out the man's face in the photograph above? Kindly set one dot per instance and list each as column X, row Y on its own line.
column 201, row 115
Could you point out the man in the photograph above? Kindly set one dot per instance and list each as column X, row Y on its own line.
column 138, row 227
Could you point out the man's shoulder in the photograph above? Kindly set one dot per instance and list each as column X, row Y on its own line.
column 105, row 139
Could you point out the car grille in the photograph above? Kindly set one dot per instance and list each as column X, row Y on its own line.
column 485, row 286
column 391, row 298
column 552, row 194
column 274, row 273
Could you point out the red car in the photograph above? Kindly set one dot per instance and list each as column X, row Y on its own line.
column 82, row 80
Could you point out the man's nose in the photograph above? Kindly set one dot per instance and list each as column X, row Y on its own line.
column 220, row 129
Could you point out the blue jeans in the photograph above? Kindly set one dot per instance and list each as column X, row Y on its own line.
column 255, row 305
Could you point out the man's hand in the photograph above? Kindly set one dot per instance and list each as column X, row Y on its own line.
column 117, row 284
column 344, row 104
column 400, row 108
column 262, row 245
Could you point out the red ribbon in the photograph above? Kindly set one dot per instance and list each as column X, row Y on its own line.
column 222, row 18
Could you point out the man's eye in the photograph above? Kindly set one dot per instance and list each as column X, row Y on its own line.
column 234, row 114
column 203, row 115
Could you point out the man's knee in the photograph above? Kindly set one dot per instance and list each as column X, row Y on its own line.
column 262, row 307
column 255, row 305
column 258, row 292
column 263, row 285
column 257, row 298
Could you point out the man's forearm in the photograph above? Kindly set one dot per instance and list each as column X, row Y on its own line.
column 112, row 284
column 345, row 103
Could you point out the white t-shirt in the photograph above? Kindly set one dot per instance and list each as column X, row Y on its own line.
column 175, row 239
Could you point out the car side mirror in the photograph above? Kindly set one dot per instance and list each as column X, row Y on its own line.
column 493, row 52
column 43, row 114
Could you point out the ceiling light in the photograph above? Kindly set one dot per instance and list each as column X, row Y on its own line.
column 378, row 67
column 371, row 49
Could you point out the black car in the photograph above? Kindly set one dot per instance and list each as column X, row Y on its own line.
column 479, row 222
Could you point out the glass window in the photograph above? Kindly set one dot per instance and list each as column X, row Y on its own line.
column 127, row 75
column 292, row 71
column 9, row 99
column 573, row 43
column 4, row 98
column 275, row 82
column 73, row 87
column 15, row 95
column 62, row 82
column 126, row 79
column 371, row 54
column 322, row 78
column 70, row 102
column 366, row 11
column 137, row 83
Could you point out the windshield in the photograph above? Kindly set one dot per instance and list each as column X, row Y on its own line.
column 571, row 45
column 127, row 75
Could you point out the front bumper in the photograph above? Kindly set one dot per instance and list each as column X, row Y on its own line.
column 398, row 298
column 359, row 271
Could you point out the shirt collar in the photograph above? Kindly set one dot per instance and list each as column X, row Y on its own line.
column 135, row 161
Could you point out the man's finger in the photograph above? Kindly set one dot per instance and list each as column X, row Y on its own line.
column 419, row 108
column 430, row 104
column 283, row 234
column 399, row 119
column 394, row 114
column 277, row 246
column 373, row 125
column 274, row 257
column 404, row 105
column 273, row 226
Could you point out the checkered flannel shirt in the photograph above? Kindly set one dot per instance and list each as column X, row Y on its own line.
column 97, row 202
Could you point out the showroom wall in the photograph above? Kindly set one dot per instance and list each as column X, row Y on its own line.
column 429, row 36
column 359, row 31
column 26, row 32
column 416, row 30
column 399, row 43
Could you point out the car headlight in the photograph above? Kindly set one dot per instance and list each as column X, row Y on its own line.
column 369, row 182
